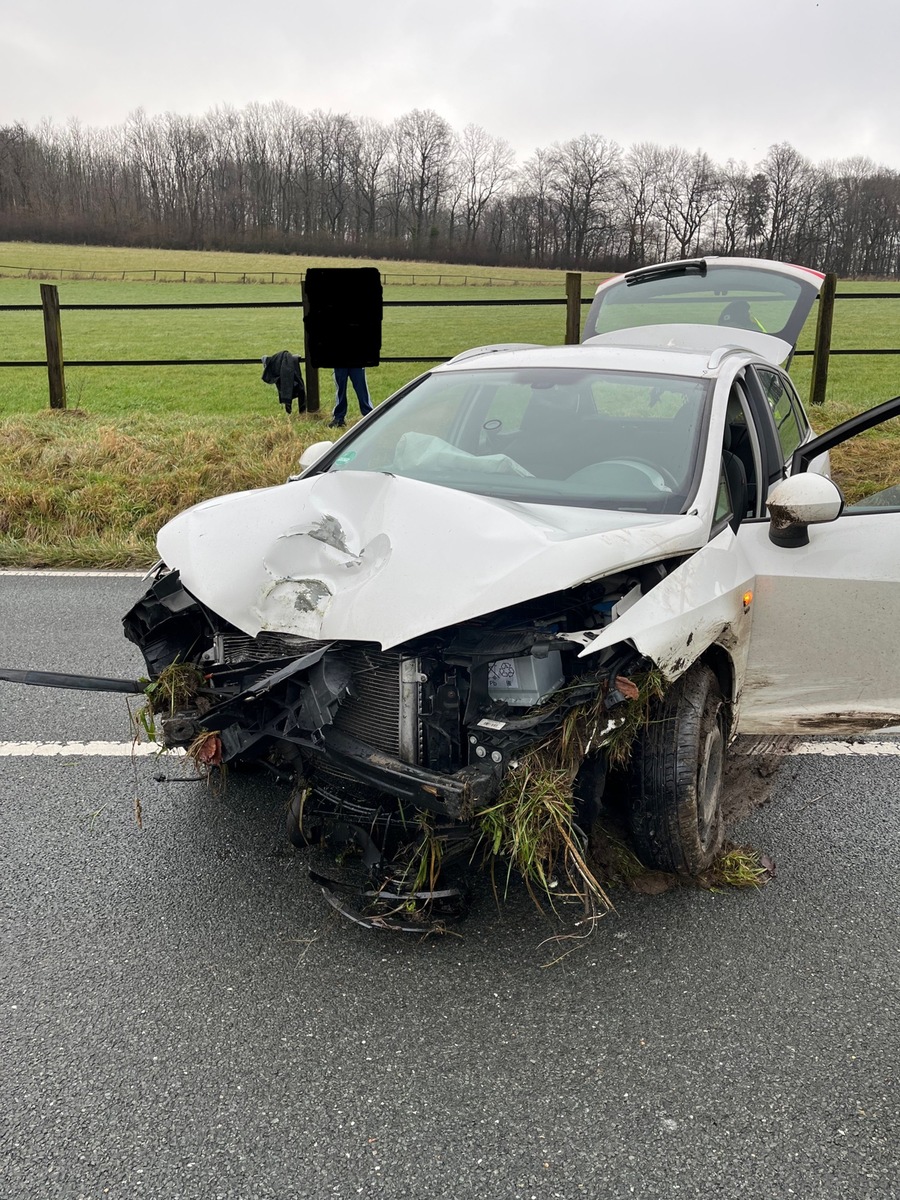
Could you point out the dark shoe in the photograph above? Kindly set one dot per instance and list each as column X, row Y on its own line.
column 335, row 424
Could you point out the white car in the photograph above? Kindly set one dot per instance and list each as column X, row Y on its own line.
column 524, row 532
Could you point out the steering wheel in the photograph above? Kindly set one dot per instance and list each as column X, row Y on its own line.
column 661, row 479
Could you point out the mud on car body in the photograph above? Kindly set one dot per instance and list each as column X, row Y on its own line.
column 530, row 541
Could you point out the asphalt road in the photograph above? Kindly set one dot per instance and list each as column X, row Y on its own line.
column 184, row 1019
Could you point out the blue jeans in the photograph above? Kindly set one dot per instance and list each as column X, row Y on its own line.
column 357, row 376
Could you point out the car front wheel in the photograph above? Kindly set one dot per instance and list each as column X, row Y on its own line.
column 675, row 810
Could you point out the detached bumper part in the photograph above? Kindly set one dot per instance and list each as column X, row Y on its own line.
column 453, row 795
column 82, row 683
column 390, row 908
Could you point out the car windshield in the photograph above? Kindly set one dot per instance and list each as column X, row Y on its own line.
column 586, row 438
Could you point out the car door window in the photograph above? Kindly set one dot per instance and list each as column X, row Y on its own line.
column 741, row 453
column 724, row 510
column 790, row 421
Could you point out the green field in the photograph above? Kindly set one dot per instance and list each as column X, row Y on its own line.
column 90, row 486
column 251, row 333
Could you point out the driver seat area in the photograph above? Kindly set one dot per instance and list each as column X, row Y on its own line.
column 736, row 478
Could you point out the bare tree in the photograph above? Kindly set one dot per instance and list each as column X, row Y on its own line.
column 485, row 168
column 535, row 216
column 728, row 231
column 584, row 171
column 423, row 148
column 336, row 140
column 691, row 192
column 369, row 173
column 641, row 181
column 16, row 146
column 786, row 173
column 269, row 174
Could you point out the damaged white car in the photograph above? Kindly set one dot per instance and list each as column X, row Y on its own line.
column 639, row 532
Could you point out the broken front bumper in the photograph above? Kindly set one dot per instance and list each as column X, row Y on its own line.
column 456, row 795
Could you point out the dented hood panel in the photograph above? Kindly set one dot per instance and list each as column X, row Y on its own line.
column 381, row 558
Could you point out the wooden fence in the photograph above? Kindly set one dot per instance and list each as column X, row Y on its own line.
column 573, row 302
column 55, row 364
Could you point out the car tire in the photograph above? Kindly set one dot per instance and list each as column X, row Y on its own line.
column 589, row 791
column 676, row 781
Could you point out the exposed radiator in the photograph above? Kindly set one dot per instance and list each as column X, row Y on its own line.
column 384, row 709
column 239, row 648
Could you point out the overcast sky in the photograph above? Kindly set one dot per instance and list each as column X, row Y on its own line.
column 731, row 77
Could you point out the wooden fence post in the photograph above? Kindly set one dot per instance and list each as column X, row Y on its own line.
column 573, row 308
column 822, row 351
column 53, row 339
column 312, row 371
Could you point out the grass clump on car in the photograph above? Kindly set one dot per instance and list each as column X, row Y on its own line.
column 175, row 687
column 533, row 823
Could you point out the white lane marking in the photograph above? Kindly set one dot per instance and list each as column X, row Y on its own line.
column 74, row 574
column 832, row 749
column 751, row 746
column 80, row 749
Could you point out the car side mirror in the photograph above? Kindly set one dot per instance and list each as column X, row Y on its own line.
column 313, row 453
column 801, row 501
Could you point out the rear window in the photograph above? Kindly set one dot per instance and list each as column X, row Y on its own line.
column 740, row 297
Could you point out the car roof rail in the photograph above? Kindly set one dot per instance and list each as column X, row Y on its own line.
column 497, row 348
column 719, row 355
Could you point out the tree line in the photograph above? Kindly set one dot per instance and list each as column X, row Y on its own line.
column 271, row 177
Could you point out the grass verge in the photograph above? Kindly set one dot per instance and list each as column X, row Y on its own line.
column 91, row 491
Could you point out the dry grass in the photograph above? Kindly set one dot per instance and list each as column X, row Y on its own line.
column 740, row 867
column 532, row 825
column 78, row 490
column 633, row 714
column 421, row 874
column 867, row 464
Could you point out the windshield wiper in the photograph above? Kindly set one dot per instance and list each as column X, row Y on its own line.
column 689, row 266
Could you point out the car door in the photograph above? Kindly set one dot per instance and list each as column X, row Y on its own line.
column 824, row 650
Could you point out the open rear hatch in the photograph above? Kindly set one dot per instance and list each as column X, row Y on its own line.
column 758, row 305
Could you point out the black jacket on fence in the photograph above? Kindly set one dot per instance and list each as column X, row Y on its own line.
column 283, row 368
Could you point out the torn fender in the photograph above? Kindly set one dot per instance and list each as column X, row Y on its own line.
column 700, row 603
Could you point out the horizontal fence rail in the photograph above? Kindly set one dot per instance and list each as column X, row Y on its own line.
column 287, row 304
column 573, row 302
column 243, row 362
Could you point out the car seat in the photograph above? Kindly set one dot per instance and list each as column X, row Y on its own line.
column 548, row 443
column 736, row 478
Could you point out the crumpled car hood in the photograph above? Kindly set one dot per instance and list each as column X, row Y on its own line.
column 380, row 558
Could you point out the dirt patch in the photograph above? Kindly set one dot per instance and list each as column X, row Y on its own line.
column 750, row 770
column 617, row 864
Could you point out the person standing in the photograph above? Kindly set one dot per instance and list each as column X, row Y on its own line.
column 356, row 376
